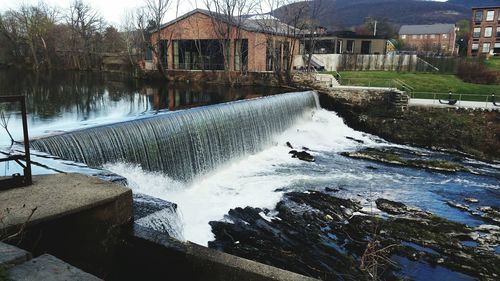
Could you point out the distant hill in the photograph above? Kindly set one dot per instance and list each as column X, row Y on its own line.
column 346, row 13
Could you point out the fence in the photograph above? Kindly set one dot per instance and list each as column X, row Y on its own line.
column 393, row 62
column 449, row 65
column 18, row 180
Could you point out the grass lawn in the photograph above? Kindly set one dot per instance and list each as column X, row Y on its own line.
column 493, row 63
column 421, row 82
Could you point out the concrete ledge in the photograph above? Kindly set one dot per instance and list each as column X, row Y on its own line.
column 159, row 255
column 55, row 196
column 78, row 219
column 11, row 256
column 48, row 268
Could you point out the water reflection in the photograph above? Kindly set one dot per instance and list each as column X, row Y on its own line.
column 71, row 100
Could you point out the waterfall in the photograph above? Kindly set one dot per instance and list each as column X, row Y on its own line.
column 184, row 143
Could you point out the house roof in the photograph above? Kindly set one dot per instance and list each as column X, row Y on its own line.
column 254, row 23
column 426, row 29
column 351, row 34
column 485, row 7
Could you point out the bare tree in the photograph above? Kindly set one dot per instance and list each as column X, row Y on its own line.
column 228, row 18
column 84, row 22
column 35, row 23
column 131, row 36
column 155, row 11
column 288, row 30
column 311, row 24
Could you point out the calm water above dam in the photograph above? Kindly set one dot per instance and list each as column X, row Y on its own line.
column 231, row 154
column 67, row 100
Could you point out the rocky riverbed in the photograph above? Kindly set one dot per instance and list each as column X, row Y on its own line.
column 469, row 133
column 321, row 235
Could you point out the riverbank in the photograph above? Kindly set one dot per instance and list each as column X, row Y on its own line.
column 471, row 133
column 333, row 238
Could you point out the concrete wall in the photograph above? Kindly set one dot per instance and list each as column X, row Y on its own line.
column 333, row 62
column 151, row 255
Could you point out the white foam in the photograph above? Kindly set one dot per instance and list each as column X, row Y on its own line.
column 250, row 181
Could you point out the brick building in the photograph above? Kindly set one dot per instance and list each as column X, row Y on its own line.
column 433, row 38
column 485, row 29
column 194, row 42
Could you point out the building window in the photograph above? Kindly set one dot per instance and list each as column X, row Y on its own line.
column 496, row 50
column 478, row 16
column 490, row 15
column 148, row 54
column 414, row 37
column 176, row 54
column 241, row 54
column 350, row 46
column 477, row 32
column 498, row 32
column 475, row 47
column 445, row 36
column 488, row 31
column 403, row 36
column 433, row 36
column 269, row 55
column 486, row 48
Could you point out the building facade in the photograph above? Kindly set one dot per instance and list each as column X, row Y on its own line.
column 430, row 39
column 203, row 40
column 346, row 42
column 485, row 32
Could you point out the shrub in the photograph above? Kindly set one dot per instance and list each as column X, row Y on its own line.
column 477, row 73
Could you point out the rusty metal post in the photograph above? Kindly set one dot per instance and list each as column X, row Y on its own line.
column 27, row 169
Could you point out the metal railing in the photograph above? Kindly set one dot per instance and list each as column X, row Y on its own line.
column 453, row 96
column 17, row 180
column 374, row 82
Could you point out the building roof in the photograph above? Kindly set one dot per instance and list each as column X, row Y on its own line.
column 351, row 34
column 485, row 7
column 426, row 29
column 253, row 23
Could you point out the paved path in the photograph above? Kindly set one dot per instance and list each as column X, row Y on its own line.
column 461, row 104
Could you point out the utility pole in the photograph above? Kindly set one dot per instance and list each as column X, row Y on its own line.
column 375, row 29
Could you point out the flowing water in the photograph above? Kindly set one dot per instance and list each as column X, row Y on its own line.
column 213, row 158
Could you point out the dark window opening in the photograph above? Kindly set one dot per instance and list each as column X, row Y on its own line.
column 339, row 47
column 269, row 55
column 321, row 47
column 286, row 56
column 148, row 54
column 241, row 55
column 198, row 55
column 164, row 52
column 366, row 47
column 496, row 48
column 478, row 16
column 278, row 56
column 350, row 46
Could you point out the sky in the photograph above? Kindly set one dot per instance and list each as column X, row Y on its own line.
column 111, row 10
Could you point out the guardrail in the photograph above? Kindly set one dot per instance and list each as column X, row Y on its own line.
column 374, row 82
column 454, row 96
column 17, row 180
